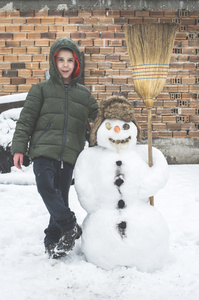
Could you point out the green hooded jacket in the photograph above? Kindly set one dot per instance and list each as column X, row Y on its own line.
column 53, row 120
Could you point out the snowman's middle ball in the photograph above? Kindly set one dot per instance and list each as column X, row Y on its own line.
column 117, row 134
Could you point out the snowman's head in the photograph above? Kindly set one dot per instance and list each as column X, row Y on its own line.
column 117, row 134
column 115, row 109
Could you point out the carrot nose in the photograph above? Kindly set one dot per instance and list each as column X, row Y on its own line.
column 117, row 129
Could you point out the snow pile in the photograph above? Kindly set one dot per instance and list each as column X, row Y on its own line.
column 7, row 125
column 9, row 117
column 8, row 7
column 45, row 8
column 62, row 7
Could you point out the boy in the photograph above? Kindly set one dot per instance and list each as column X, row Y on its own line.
column 53, row 120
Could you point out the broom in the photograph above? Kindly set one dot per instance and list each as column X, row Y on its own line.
column 150, row 47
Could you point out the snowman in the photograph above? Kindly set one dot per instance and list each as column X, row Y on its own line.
column 113, row 182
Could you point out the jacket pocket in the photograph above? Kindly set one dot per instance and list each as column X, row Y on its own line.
column 41, row 135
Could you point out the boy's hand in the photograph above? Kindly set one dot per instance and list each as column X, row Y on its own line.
column 18, row 160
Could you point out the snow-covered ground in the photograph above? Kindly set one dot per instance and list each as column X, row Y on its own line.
column 26, row 273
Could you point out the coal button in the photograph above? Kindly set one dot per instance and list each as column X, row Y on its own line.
column 122, row 225
column 119, row 181
column 119, row 163
column 121, row 204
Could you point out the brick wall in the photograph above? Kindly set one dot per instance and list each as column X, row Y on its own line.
column 26, row 37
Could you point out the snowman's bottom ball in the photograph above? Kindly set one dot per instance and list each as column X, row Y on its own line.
column 143, row 243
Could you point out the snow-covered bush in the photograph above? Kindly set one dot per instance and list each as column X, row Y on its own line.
column 8, row 121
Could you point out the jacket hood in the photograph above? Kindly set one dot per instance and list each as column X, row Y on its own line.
column 60, row 43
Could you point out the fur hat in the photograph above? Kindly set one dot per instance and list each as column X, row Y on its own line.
column 114, row 107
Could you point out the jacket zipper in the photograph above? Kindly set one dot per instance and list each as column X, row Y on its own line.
column 40, row 136
column 65, row 123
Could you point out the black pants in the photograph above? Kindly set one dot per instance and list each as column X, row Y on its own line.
column 53, row 184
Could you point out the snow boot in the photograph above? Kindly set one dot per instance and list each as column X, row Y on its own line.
column 67, row 241
column 49, row 249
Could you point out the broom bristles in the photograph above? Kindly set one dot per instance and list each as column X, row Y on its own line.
column 150, row 47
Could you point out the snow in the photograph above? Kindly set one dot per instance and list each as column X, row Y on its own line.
column 45, row 8
column 8, row 7
column 13, row 98
column 8, row 120
column 62, row 6
column 27, row 274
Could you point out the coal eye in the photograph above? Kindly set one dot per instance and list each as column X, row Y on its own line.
column 126, row 126
column 108, row 125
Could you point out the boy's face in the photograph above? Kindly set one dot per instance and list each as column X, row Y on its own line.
column 65, row 64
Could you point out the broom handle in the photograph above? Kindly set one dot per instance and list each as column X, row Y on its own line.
column 150, row 157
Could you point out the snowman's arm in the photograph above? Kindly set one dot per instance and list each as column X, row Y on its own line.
column 84, row 180
column 156, row 176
